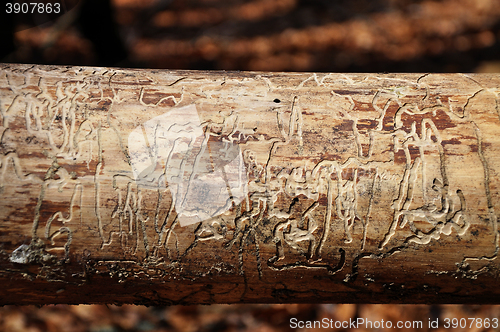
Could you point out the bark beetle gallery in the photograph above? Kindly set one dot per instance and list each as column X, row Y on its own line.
column 162, row 187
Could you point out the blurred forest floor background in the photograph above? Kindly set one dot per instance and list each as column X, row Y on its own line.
column 267, row 35
column 233, row 318
column 271, row 35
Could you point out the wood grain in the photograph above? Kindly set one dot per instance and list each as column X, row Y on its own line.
column 166, row 187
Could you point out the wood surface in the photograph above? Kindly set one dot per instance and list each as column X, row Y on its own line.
column 167, row 187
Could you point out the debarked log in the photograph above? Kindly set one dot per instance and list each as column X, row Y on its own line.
column 165, row 187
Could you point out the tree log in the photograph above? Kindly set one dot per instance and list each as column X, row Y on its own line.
column 165, row 187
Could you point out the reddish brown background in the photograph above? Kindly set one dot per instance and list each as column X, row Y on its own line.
column 271, row 35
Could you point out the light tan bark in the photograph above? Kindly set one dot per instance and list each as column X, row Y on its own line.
column 148, row 186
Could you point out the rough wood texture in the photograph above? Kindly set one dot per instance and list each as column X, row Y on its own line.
column 144, row 186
